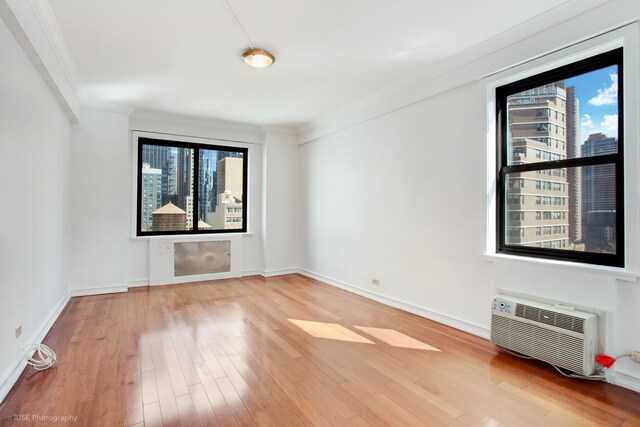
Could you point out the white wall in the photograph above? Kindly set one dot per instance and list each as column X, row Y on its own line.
column 105, row 257
column 381, row 203
column 34, row 136
column 367, row 195
column 100, row 200
column 397, row 191
column 281, row 202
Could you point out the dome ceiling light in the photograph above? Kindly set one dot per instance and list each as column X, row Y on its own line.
column 257, row 58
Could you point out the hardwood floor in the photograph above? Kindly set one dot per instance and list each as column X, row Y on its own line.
column 288, row 351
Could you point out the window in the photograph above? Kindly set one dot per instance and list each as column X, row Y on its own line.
column 586, row 161
column 190, row 188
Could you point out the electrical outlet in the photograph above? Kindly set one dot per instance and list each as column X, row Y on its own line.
column 375, row 282
column 18, row 331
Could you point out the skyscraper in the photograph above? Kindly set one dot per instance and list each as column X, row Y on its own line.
column 163, row 158
column 151, row 194
column 574, row 175
column 229, row 176
column 599, row 195
column 205, row 184
column 538, row 202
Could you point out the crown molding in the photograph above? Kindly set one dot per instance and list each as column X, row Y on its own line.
column 49, row 25
column 108, row 107
column 150, row 121
column 281, row 129
column 472, row 64
column 34, row 27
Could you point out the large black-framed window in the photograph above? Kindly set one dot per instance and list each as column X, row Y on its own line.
column 560, row 177
column 190, row 188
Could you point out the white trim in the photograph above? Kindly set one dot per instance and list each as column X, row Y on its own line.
column 203, row 140
column 136, row 134
column 33, row 26
column 281, row 130
column 626, row 37
column 49, row 24
column 624, row 373
column 402, row 305
column 488, row 57
column 113, row 289
column 140, row 283
column 110, row 108
column 271, row 273
column 549, row 264
column 254, row 272
column 280, row 272
column 12, row 375
column 181, row 126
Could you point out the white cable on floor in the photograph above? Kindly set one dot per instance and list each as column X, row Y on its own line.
column 42, row 357
column 573, row 375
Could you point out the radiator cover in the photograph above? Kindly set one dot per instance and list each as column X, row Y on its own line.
column 560, row 336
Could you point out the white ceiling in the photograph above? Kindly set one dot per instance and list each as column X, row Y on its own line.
column 183, row 56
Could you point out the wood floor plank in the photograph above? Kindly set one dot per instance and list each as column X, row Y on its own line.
column 289, row 351
column 152, row 415
column 202, row 406
column 234, row 402
column 187, row 411
column 218, row 403
column 134, row 411
column 149, row 386
column 178, row 382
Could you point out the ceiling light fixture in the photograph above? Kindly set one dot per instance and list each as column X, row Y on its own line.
column 257, row 58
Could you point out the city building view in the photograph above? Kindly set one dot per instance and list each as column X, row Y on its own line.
column 571, row 208
column 167, row 189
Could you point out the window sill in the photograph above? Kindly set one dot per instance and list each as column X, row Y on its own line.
column 602, row 271
column 209, row 236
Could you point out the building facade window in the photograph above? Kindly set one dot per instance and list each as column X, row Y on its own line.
column 579, row 107
column 190, row 188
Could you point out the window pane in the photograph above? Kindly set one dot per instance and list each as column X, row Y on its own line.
column 571, row 118
column 221, row 190
column 166, row 201
column 569, row 208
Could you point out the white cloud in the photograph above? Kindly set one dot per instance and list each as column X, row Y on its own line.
column 607, row 96
column 609, row 125
column 587, row 127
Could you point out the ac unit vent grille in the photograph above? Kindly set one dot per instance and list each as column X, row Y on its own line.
column 560, row 320
column 556, row 348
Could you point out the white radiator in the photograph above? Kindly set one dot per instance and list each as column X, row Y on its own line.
column 561, row 336
column 180, row 259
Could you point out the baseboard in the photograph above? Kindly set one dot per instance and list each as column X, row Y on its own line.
column 145, row 282
column 254, row 272
column 13, row 374
column 137, row 283
column 271, row 273
column 402, row 305
column 625, row 373
column 98, row 291
column 281, row 272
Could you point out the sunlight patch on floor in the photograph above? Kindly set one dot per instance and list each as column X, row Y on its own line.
column 331, row 331
column 396, row 339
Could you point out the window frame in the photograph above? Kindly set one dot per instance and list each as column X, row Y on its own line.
column 196, row 146
column 612, row 57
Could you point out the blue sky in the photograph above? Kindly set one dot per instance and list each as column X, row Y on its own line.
column 598, row 95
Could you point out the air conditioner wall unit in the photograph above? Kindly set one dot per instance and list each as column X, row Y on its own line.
column 555, row 334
